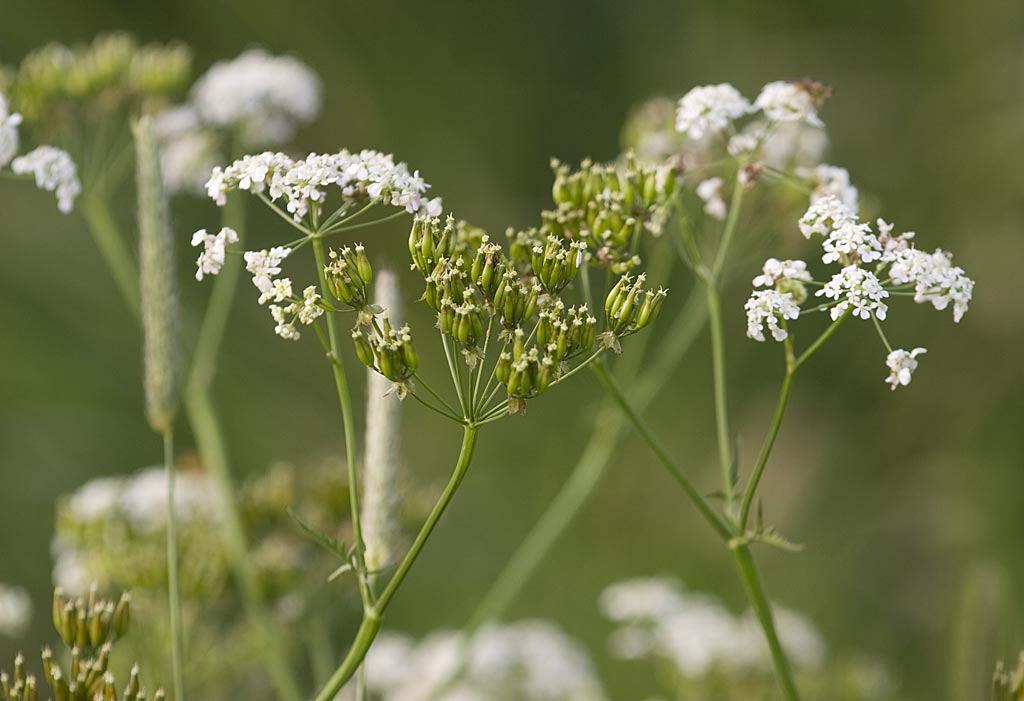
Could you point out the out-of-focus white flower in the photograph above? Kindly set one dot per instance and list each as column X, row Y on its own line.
column 70, row 573
column 784, row 101
column 261, row 96
column 710, row 191
column 775, row 270
column 901, row 364
column 856, row 288
column 9, row 122
column 15, row 609
column 794, row 144
column 188, row 151
column 54, row 171
column 935, row 279
column 524, row 661
column 832, row 180
column 709, row 109
column 265, row 265
column 211, row 260
column 694, row 632
column 771, row 308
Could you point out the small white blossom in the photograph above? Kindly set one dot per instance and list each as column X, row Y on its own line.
column 709, row 109
column 260, row 96
column 211, row 260
column 935, row 279
column 771, row 308
column 710, row 191
column 747, row 141
column 310, row 308
column 857, row 289
column 832, row 180
column 9, row 122
column 784, row 101
column 188, row 150
column 54, row 171
column 901, row 366
column 794, row 144
column 775, row 270
column 15, row 608
column 280, row 290
column 285, row 318
column 824, row 215
column 264, row 265
column 851, row 240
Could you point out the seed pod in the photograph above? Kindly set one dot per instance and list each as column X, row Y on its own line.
column 363, row 349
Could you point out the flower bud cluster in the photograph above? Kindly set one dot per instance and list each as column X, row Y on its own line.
column 566, row 334
column 555, row 264
column 608, row 206
column 386, row 350
column 90, row 622
column 629, row 307
column 348, row 276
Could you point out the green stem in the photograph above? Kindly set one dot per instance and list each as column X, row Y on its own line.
column 173, row 578
column 344, row 399
column 762, row 609
column 725, row 456
column 615, row 392
column 371, row 623
column 113, row 248
column 731, row 221
column 766, row 450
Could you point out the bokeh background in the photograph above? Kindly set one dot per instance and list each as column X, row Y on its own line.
column 910, row 504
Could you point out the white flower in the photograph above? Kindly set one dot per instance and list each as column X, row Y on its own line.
column 901, row 366
column 851, row 240
column 794, row 144
column 640, row 599
column 832, row 180
column 824, row 215
column 54, row 171
column 746, row 141
column 935, row 279
column 188, row 151
column 8, row 132
column 211, row 260
column 15, row 609
column 285, row 318
column 709, row 109
column 264, row 265
column 710, row 191
column 262, row 97
column 280, row 290
column 770, row 307
column 775, row 270
column 856, row 288
column 783, row 101
column 310, row 308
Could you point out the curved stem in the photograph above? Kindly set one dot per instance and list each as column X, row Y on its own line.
column 709, row 514
column 345, row 400
column 173, row 578
column 766, row 450
column 762, row 609
column 115, row 251
column 371, row 623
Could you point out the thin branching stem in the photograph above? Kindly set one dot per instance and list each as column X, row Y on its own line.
column 173, row 576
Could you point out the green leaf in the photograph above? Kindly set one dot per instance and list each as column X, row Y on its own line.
column 325, row 541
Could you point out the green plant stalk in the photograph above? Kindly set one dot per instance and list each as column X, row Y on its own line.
column 744, row 560
column 345, row 400
column 118, row 257
column 173, row 577
column 372, row 616
column 725, row 455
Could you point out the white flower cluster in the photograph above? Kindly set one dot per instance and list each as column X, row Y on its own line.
column 524, row 661
column 9, row 122
column 710, row 191
column 54, row 171
column 935, row 279
column 775, row 270
column 858, row 289
column 15, row 610
column 696, row 634
column 361, row 177
column 305, row 310
column 211, row 260
column 265, row 265
column 189, row 150
column 711, row 109
column 832, row 180
column 901, row 364
column 771, row 308
column 261, row 96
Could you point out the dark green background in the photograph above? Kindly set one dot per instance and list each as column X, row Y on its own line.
column 900, row 498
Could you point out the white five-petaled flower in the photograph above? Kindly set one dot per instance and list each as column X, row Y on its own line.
column 857, row 289
column 211, row 260
column 54, row 171
column 709, row 109
column 784, row 101
column 771, row 308
column 775, row 270
column 264, row 265
column 9, row 122
column 901, row 364
column 710, row 191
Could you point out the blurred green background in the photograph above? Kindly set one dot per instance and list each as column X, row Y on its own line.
column 902, row 499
